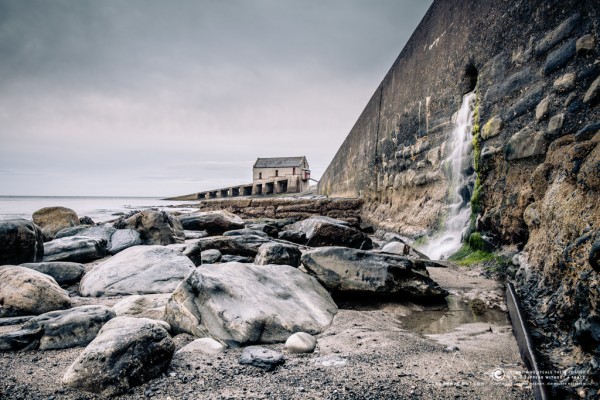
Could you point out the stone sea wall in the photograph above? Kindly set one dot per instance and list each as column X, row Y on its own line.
column 348, row 210
column 535, row 66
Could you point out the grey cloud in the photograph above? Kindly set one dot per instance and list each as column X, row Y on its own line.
column 118, row 89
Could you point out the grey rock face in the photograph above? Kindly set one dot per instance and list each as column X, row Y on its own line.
column 27, row 292
column 69, row 328
column 210, row 256
column 278, row 253
column 245, row 303
column 560, row 57
column 126, row 352
column 293, row 236
column 354, row 272
column 155, row 227
column 74, row 248
column 403, row 249
column 269, row 229
column 70, row 231
column 323, row 231
column 557, row 34
column 21, row 241
column 53, row 219
column 213, row 222
column 195, row 234
column 100, row 232
column 137, row 270
column 64, row 273
column 261, row 357
column 123, row 239
column 245, row 245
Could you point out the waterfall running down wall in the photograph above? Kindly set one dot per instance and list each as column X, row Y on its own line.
column 459, row 171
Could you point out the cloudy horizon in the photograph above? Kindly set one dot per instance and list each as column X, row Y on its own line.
column 154, row 98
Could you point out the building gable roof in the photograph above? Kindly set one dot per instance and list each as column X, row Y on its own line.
column 282, row 162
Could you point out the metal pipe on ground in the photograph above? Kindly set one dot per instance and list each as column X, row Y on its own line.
column 528, row 354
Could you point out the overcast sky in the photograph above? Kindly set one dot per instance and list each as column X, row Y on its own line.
column 158, row 98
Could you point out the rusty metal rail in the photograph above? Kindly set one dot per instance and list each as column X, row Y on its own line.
column 525, row 343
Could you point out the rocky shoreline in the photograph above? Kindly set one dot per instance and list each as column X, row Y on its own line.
column 207, row 305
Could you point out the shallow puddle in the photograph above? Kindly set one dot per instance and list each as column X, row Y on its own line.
column 457, row 311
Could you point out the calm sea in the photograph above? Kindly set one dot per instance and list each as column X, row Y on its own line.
column 99, row 209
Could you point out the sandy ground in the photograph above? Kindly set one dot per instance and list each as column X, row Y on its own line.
column 371, row 351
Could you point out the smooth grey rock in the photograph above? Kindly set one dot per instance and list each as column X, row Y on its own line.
column 127, row 352
column 245, row 231
column 195, row 234
column 324, row 231
column 301, row 342
column 69, row 328
column 86, row 221
column 154, row 227
column 592, row 93
column 145, row 305
column 53, row 219
column 557, row 34
column 204, row 345
column 22, row 339
column 27, row 292
column 279, row 254
column 565, row 82
column 79, row 249
column 238, row 259
column 123, row 239
column 99, row 232
column 586, row 43
column 293, row 236
column 555, row 125
column 244, row 303
column 137, row 270
column 210, row 256
column 560, row 57
column 21, row 241
column 245, row 245
column 261, row 357
column 63, row 272
column 491, row 128
column 525, row 143
column 70, row 231
column 269, row 229
column 347, row 271
column 510, row 85
column 526, row 103
column 542, row 108
column 213, row 222
column 193, row 251
column 15, row 320
column 587, row 132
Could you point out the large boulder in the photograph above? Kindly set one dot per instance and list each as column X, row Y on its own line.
column 123, row 239
column 53, row 219
column 213, row 222
column 324, row 231
column 21, row 241
column 238, row 303
column 58, row 329
column 244, row 245
column 100, row 232
column 353, row 272
column 146, row 305
column 126, row 352
column 63, row 272
column 137, row 270
column 278, row 253
column 79, row 249
column 24, row 291
column 155, row 227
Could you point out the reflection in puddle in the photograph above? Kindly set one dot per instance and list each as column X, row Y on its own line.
column 457, row 311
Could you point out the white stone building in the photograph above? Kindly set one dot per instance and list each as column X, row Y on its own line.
column 280, row 175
